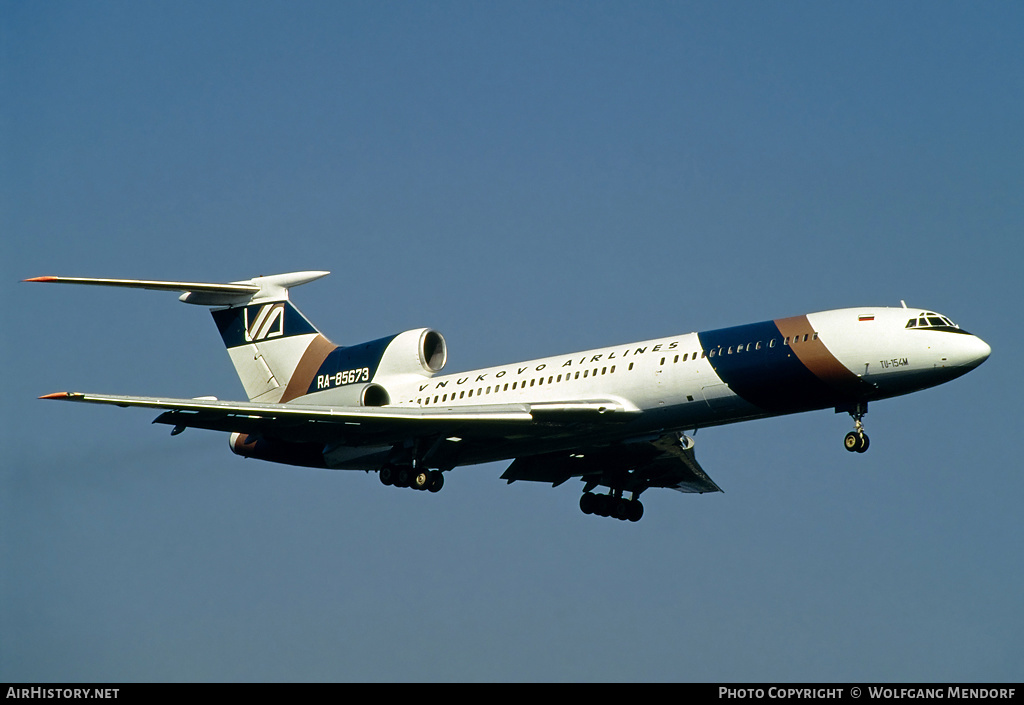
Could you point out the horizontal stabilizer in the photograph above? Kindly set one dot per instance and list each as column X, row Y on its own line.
column 274, row 287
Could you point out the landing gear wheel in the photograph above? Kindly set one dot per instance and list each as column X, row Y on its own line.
column 420, row 480
column 436, row 481
column 864, row 443
column 856, row 442
column 619, row 508
column 402, row 477
column 387, row 475
column 852, row 441
column 604, row 505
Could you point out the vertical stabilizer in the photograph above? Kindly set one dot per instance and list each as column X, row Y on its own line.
column 268, row 338
column 267, row 343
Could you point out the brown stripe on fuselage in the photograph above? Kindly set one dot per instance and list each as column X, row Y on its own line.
column 811, row 351
column 318, row 350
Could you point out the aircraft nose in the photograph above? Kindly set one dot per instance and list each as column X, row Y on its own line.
column 973, row 351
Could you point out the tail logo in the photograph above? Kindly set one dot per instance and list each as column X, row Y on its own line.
column 267, row 323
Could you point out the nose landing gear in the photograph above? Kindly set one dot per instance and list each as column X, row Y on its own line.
column 856, row 440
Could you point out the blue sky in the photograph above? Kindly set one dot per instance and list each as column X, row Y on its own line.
column 529, row 179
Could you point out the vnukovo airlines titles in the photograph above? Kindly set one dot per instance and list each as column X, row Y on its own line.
column 888, row 693
column 614, row 417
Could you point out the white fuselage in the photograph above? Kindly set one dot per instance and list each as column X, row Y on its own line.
column 677, row 373
column 832, row 359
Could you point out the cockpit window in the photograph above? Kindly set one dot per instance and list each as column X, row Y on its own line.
column 933, row 321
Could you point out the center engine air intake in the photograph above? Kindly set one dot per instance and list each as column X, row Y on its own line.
column 420, row 352
column 433, row 351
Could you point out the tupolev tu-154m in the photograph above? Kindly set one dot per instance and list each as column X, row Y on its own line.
column 614, row 417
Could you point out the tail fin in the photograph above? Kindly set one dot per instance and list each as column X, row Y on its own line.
column 274, row 348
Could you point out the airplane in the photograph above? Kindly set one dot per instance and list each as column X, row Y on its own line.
column 615, row 417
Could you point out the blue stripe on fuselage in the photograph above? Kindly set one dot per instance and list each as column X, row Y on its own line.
column 769, row 376
column 352, row 365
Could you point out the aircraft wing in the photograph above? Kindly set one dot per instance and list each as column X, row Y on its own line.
column 360, row 424
column 664, row 461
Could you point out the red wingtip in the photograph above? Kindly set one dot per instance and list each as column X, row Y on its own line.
column 59, row 395
column 40, row 279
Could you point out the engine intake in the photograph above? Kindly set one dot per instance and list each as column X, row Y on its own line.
column 421, row 352
column 433, row 351
column 374, row 395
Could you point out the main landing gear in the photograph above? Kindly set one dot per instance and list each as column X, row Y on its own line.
column 612, row 505
column 416, row 478
column 856, row 440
